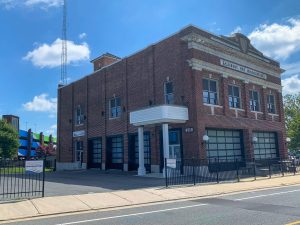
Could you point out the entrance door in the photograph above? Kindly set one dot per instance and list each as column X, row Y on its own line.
column 79, row 152
column 95, row 153
column 175, row 147
column 115, row 153
column 133, row 152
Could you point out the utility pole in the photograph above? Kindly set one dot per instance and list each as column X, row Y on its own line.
column 64, row 52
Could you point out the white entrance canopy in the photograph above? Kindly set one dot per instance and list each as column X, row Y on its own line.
column 159, row 114
column 162, row 114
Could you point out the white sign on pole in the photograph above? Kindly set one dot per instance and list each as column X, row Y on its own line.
column 171, row 163
column 34, row 166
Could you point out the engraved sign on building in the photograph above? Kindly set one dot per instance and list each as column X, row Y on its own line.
column 79, row 133
column 243, row 69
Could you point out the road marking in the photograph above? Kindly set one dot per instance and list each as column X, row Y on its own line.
column 294, row 223
column 259, row 196
column 133, row 214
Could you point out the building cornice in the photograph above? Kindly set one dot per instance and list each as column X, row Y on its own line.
column 232, row 53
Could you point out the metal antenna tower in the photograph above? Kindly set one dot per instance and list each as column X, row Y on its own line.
column 64, row 52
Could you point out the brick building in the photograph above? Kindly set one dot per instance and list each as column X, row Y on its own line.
column 216, row 96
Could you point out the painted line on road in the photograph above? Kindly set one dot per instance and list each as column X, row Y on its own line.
column 133, row 214
column 294, row 223
column 260, row 196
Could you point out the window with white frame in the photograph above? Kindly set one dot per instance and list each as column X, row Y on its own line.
column 271, row 104
column 254, row 101
column 79, row 115
column 210, row 92
column 169, row 95
column 234, row 96
column 115, row 107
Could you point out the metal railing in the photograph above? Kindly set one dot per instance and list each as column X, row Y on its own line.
column 194, row 171
column 16, row 182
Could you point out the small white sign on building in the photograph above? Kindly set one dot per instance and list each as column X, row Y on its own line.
column 34, row 166
column 171, row 163
column 79, row 133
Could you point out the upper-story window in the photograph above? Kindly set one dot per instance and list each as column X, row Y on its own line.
column 169, row 95
column 234, row 96
column 78, row 115
column 271, row 104
column 210, row 92
column 254, row 101
column 115, row 107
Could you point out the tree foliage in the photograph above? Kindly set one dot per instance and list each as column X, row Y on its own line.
column 292, row 120
column 9, row 141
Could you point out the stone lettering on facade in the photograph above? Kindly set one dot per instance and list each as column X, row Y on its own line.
column 243, row 69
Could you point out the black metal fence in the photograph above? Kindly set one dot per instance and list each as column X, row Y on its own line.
column 194, row 171
column 17, row 181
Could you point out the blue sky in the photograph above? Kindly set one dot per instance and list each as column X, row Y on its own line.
column 31, row 31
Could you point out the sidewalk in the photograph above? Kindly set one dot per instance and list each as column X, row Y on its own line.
column 96, row 201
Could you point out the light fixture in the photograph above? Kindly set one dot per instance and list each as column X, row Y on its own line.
column 288, row 140
column 205, row 138
column 254, row 139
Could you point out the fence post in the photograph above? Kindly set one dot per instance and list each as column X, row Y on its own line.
column 270, row 173
column 43, row 188
column 237, row 170
column 281, row 168
column 217, row 162
column 194, row 178
column 294, row 166
column 254, row 168
column 166, row 172
column 54, row 167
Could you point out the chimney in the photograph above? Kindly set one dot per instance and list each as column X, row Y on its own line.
column 104, row 60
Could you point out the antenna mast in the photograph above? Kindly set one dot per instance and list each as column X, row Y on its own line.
column 64, row 52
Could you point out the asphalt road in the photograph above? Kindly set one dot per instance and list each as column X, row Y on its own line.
column 269, row 207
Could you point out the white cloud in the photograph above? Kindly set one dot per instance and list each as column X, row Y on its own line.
column 277, row 40
column 291, row 85
column 82, row 35
column 50, row 55
column 238, row 29
column 44, row 4
column 42, row 103
column 52, row 130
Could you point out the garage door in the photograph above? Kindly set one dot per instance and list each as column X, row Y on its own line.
column 266, row 146
column 224, row 145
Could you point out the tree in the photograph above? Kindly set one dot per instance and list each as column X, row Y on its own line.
column 9, row 141
column 292, row 120
column 44, row 151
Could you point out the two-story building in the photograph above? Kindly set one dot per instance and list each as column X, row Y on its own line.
column 192, row 94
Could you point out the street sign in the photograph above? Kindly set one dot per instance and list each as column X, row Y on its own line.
column 34, row 166
column 171, row 163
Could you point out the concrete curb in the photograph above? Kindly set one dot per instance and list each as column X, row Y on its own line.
column 108, row 200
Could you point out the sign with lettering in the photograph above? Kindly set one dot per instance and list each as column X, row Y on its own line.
column 171, row 163
column 243, row 69
column 189, row 130
column 34, row 166
column 79, row 133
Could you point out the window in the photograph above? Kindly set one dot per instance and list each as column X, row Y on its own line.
column 254, row 101
column 78, row 116
column 169, row 96
column 266, row 145
column 210, row 93
column 271, row 104
column 115, row 107
column 147, row 153
column 234, row 96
